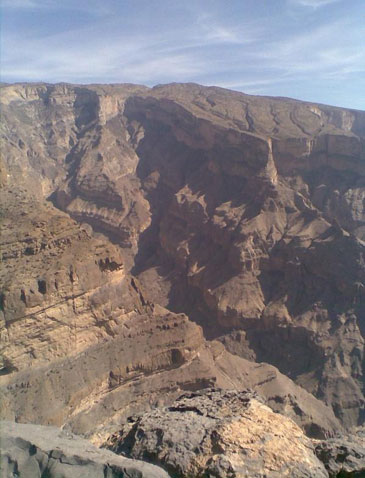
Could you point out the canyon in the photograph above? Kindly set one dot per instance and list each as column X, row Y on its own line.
column 163, row 241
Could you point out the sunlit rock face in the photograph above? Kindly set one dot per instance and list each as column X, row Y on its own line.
column 220, row 433
column 245, row 213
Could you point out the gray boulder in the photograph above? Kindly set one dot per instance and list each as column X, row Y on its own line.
column 35, row 451
column 344, row 456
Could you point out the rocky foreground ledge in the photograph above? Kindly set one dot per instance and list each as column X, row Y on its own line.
column 205, row 434
column 231, row 434
column 34, row 451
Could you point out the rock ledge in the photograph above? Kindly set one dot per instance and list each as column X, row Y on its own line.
column 32, row 451
column 225, row 434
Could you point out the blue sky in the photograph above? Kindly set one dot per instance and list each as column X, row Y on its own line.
column 308, row 49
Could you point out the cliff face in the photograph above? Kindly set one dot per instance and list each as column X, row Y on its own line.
column 75, row 326
column 81, row 346
column 264, row 231
column 245, row 213
column 55, row 302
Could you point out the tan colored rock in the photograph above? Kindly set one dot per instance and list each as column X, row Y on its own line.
column 220, row 433
column 243, row 212
column 62, row 290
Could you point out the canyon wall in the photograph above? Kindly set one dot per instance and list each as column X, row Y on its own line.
column 125, row 209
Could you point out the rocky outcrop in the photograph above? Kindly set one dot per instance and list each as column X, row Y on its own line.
column 344, row 456
column 243, row 212
column 280, row 393
column 221, row 434
column 31, row 451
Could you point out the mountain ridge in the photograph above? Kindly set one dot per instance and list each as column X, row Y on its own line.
column 245, row 213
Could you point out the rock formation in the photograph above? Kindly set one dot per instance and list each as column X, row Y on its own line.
column 220, row 434
column 344, row 455
column 251, row 234
column 30, row 451
column 243, row 213
column 82, row 346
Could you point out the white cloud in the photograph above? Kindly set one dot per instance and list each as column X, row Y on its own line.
column 254, row 54
column 313, row 3
column 325, row 51
column 212, row 31
column 108, row 55
column 93, row 7
column 163, row 68
column 19, row 4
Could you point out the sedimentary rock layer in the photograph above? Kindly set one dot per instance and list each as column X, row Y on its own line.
column 245, row 213
column 82, row 346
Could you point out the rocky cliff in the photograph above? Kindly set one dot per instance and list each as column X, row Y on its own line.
column 81, row 345
column 259, row 228
column 245, row 213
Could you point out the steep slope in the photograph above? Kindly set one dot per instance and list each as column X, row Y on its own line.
column 257, row 239
column 75, row 325
column 81, row 346
column 243, row 212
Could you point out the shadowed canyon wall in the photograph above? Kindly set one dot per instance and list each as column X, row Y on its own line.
column 245, row 213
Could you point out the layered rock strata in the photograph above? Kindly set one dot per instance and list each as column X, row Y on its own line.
column 244, row 212
column 81, row 345
column 62, row 289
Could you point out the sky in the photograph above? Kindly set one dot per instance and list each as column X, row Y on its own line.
column 313, row 50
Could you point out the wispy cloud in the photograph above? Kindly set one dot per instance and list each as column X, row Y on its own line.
column 115, row 57
column 314, row 4
column 92, row 7
column 107, row 51
column 334, row 48
column 263, row 52
column 17, row 4
column 211, row 30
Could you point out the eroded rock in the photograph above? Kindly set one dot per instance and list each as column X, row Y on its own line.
column 221, row 434
column 243, row 212
column 344, row 455
column 32, row 451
